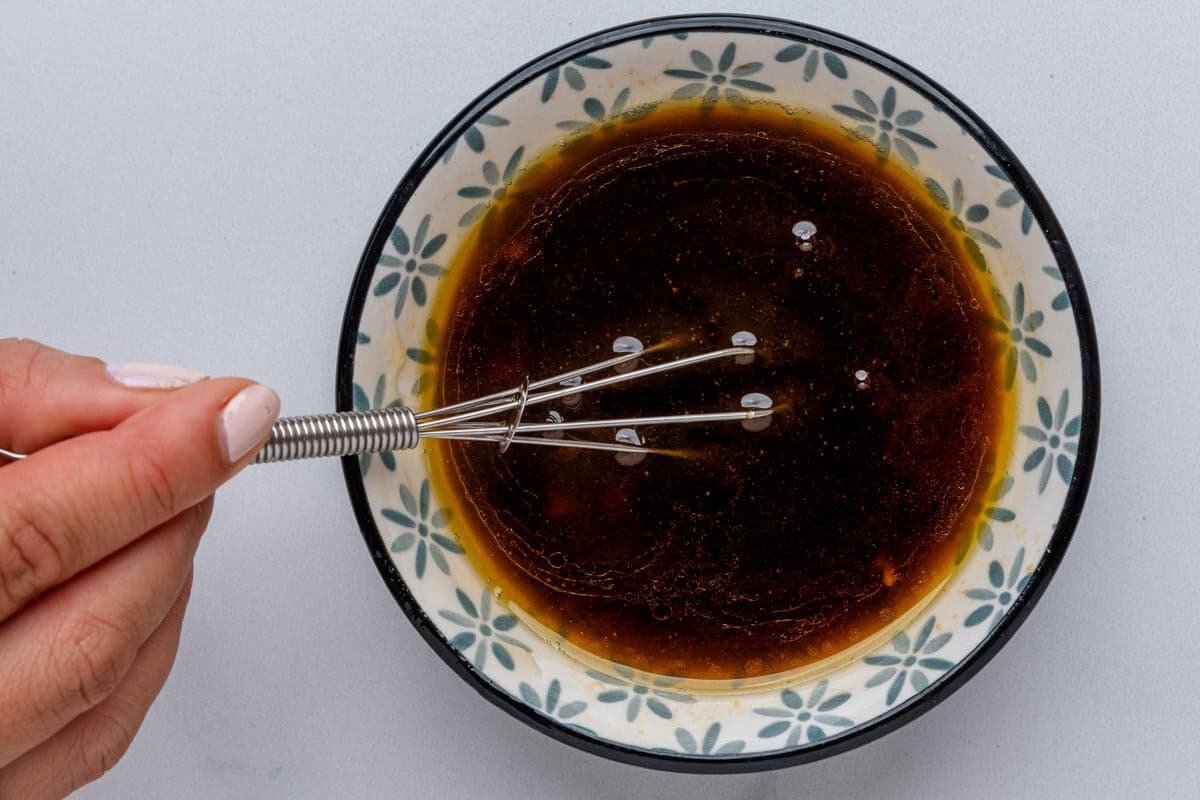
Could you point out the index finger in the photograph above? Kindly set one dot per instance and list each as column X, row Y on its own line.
column 72, row 504
column 47, row 395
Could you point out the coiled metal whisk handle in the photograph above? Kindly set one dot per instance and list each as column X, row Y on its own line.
column 348, row 433
column 398, row 428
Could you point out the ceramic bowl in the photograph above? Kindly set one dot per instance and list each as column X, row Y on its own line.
column 389, row 352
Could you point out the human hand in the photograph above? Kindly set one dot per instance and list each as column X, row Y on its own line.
column 97, row 532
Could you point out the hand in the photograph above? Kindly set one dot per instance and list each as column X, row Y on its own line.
column 97, row 532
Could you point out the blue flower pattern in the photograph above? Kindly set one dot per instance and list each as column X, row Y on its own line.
column 913, row 660
column 1011, row 198
column 1057, row 440
column 711, row 81
column 1062, row 300
column 1019, row 327
column 999, row 596
column 879, row 123
column 804, row 720
column 494, row 187
column 484, row 632
column 709, row 744
column 993, row 512
column 600, row 117
column 552, row 706
column 572, row 75
column 799, row 50
column 410, row 263
column 422, row 530
column 653, row 693
column 474, row 135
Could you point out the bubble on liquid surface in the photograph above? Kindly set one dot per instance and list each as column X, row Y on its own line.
column 744, row 339
column 627, row 344
column 862, row 378
column 805, row 231
column 756, row 400
column 572, row 400
column 629, row 436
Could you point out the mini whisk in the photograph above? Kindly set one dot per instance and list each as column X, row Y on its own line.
column 400, row 428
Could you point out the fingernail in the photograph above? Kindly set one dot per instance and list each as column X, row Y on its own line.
column 246, row 420
column 152, row 376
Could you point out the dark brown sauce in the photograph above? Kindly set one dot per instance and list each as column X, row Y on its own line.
column 771, row 549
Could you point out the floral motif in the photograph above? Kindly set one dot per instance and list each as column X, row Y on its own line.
column 804, row 719
column 1018, row 326
column 1011, row 198
column 412, row 258
column 485, row 633
column 720, row 79
column 422, row 530
column 425, row 356
column 361, row 403
column 633, row 692
column 708, row 744
column 551, row 706
column 883, row 126
column 964, row 219
column 571, row 75
column 1062, row 300
column 603, row 119
column 474, row 135
column 795, row 52
column 911, row 661
column 999, row 597
column 496, row 186
column 994, row 512
column 1056, row 439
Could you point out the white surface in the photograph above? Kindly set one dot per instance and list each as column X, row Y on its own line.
column 194, row 183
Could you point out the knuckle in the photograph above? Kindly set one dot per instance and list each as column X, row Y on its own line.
column 152, row 484
column 31, row 560
column 95, row 655
column 105, row 741
column 19, row 359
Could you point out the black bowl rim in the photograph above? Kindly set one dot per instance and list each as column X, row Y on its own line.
column 1077, row 491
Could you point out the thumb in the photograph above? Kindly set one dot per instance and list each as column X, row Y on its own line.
column 72, row 504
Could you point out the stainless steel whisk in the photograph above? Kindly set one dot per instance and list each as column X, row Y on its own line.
column 400, row 428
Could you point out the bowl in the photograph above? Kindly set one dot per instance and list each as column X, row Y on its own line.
column 388, row 355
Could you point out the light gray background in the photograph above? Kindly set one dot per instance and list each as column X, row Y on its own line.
column 194, row 183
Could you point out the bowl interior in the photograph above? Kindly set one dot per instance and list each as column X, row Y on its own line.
column 1002, row 220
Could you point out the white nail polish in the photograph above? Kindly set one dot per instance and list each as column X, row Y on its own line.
column 246, row 420
column 152, row 376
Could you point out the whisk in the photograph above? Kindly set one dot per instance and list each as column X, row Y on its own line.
column 401, row 428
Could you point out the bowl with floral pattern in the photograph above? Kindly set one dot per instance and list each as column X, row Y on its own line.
column 389, row 347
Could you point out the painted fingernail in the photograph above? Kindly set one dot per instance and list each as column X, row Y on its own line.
column 152, row 376
column 246, row 420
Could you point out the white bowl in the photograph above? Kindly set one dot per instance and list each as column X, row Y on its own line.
column 1041, row 314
